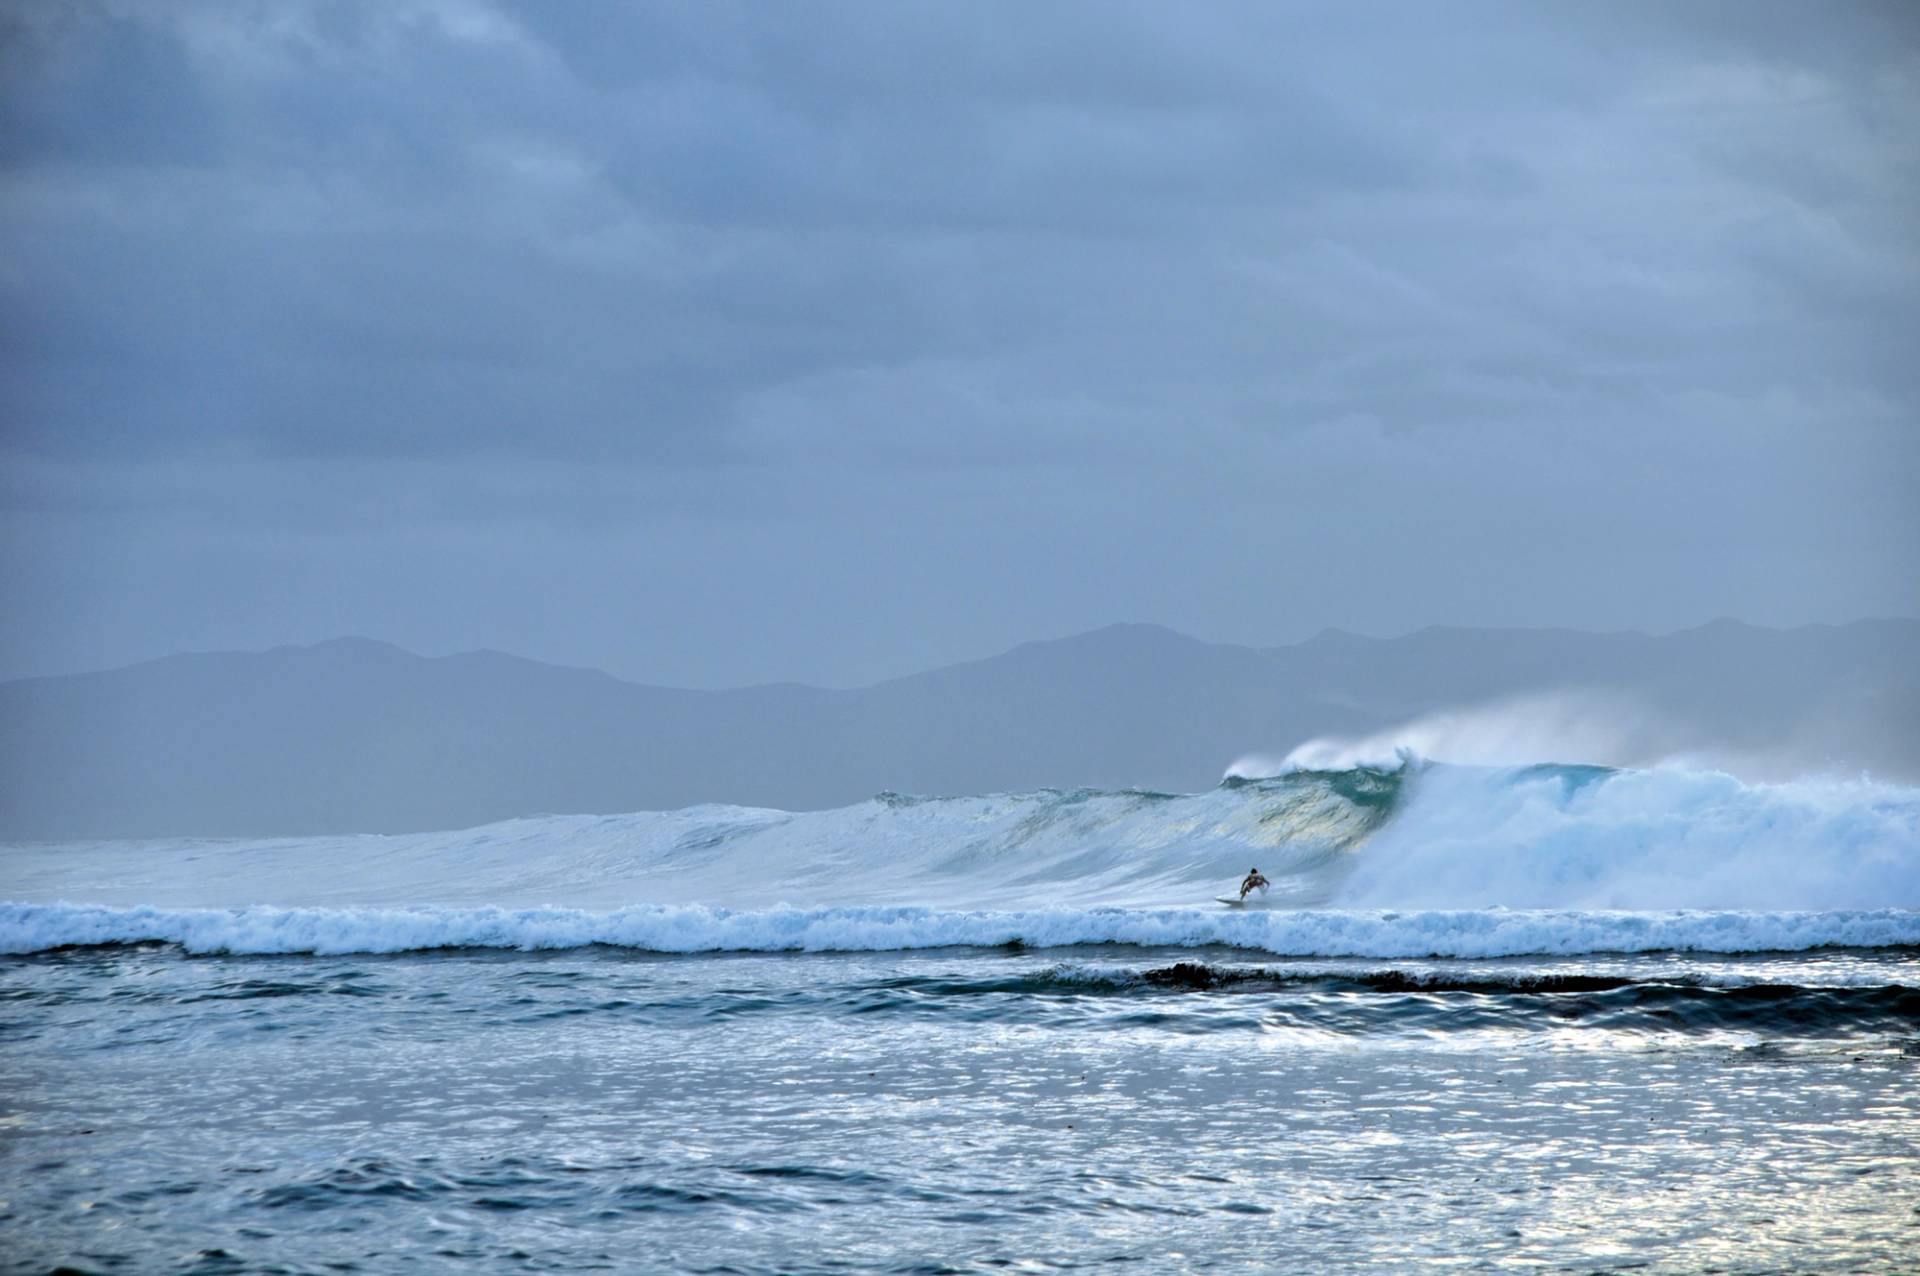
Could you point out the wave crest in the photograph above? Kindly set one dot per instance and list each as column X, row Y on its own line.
column 1446, row 839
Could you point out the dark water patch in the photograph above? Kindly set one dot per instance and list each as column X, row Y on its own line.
column 610, row 1007
column 811, row 1173
column 1193, row 976
column 1782, row 1008
column 626, row 1186
column 651, row 1198
column 1197, row 996
column 358, row 1183
column 256, row 989
column 158, row 1194
column 153, row 1000
column 1536, row 984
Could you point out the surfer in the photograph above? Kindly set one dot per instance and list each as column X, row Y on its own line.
column 1254, row 881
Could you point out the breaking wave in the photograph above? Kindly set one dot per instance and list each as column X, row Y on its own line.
column 1407, row 860
column 28, row 928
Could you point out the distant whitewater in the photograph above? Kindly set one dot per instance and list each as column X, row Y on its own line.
column 1406, row 860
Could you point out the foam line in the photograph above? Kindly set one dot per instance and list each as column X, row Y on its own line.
column 29, row 928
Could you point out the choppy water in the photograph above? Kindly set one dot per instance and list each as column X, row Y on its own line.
column 958, row 1110
column 728, row 1041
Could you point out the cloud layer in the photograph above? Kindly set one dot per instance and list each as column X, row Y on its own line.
column 712, row 343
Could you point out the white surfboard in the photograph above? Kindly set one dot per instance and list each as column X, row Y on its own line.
column 1231, row 903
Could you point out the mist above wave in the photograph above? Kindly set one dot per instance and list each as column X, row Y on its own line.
column 1593, row 838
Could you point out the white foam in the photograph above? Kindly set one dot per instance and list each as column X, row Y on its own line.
column 1557, row 837
column 26, row 928
column 996, row 850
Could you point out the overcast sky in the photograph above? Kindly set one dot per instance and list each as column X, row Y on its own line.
column 717, row 343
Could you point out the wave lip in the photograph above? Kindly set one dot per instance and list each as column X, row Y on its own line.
column 1386, row 934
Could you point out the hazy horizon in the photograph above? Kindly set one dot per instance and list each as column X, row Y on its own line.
column 964, row 659
column 361, row 736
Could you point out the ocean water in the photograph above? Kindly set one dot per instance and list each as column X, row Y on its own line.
column 1557, row 1018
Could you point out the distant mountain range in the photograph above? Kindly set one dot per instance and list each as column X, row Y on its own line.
column 357, row 735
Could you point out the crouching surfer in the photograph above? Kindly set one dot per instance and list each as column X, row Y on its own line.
column 1254, row 882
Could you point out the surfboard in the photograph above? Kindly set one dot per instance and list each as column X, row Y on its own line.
column 1231, row 903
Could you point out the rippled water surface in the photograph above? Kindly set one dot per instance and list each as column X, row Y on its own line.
column 959, row 1110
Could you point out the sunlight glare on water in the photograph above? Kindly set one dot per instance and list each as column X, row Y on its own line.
column 963, row 1109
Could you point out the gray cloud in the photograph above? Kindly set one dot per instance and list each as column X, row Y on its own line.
column 720, row 342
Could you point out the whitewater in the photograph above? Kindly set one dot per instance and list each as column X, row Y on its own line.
column 1547, row 1016
column 1411, row 859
